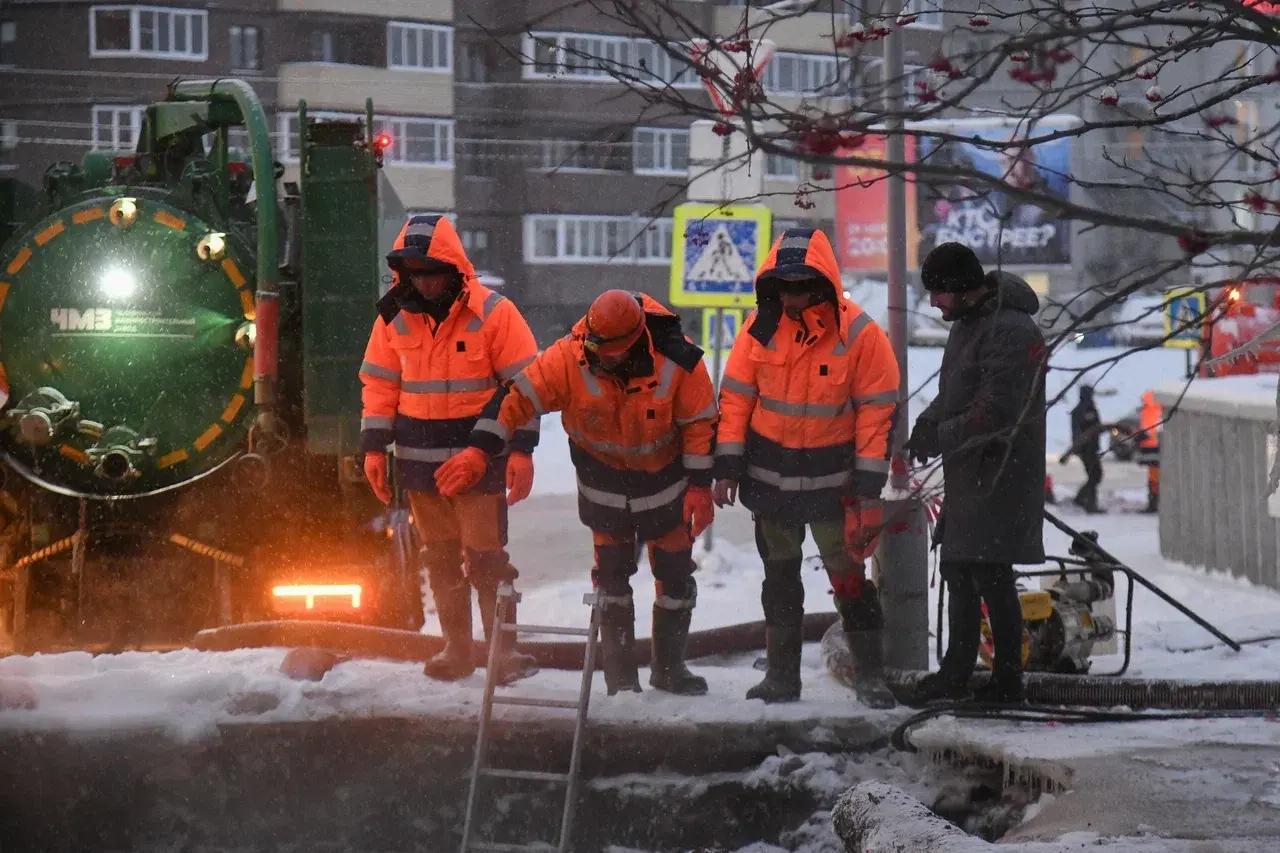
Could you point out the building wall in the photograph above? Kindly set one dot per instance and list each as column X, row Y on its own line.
column 502, row 116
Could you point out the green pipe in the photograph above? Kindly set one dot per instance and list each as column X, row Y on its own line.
column 267, row 295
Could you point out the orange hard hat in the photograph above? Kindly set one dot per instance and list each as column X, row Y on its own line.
column 615, row 322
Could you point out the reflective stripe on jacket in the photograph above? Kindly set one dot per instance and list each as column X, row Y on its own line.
column 806, row 405
column 425, row 384
column 635, row 446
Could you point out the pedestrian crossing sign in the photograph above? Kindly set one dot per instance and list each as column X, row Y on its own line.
column 716, row 250
column 721, row 338
column 1184, row 314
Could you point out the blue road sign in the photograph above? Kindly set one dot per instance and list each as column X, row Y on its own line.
column 1184, row 311
column 716, row 252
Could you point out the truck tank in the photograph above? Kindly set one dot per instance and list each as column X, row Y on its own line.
column 125, row 342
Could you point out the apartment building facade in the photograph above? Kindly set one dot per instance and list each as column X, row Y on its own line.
column 562, row 180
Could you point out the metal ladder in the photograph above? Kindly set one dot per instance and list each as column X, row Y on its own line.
column 506, row 597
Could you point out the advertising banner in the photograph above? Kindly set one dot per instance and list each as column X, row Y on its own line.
column 862, row 211
column 999, row 227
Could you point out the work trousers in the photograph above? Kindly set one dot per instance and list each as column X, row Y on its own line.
column 782, row 593
column 670, row 558
column 969, row 584
column 464, row 539
column 1087, row 497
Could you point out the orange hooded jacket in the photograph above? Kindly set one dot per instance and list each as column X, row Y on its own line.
column 635, row 445
column 425, row 382
column 806, row 405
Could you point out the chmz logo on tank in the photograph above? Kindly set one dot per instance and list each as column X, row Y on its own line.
column 994, row 219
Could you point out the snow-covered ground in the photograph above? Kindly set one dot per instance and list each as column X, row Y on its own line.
column 189, row 693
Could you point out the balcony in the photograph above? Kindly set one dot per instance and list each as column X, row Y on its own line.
column 344, row 87
column 414, row 10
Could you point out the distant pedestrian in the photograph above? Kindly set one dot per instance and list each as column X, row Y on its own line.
column 1149, row 447
column 987, row 424
column 1086, row 428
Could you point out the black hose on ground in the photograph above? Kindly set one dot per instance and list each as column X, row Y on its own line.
column 901, row 740
column 1052, row 689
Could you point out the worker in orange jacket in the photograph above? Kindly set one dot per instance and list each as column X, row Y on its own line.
column 640, row 413
column 440, row 344
column 806, row 405
column 1151, row 417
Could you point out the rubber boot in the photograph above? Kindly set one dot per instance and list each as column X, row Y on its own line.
column 938, row 687
column 512, row 665
column 868, row 668
column 782, row 679
column 863, row 624
column 617, row 647
column 453, row 604
column 667, row 670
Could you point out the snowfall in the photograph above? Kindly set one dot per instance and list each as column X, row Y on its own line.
column 190, row 693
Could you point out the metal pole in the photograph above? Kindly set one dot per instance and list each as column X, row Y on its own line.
column 903, row 552
column 716, row 342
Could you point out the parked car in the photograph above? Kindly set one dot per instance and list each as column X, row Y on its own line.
column 1124, row 434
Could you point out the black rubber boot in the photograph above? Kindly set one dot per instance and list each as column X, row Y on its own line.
column 617, row 647
column 512, row 665
column 667, row 670
column 868, row 668
column 453, row 604
column 863, row 624
column 782, row 679
column 938, row 687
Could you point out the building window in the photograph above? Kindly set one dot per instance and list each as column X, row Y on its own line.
column 475, row 243
column 602, row 58
column 778, row 167
column 804, row 74
column 117, row 128
column 244, row 48
column 574, row 155
column 572, row 239
column 479, row 158
column 415, row 140
column 473, row 64
column 157, row 32
column 661, row 151
column 8, row 41
column 327, row 47
column 419, row 47
column 928, row 13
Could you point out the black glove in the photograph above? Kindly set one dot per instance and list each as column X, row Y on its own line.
column 923, row 443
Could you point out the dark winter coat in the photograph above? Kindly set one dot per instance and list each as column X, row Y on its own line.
column 1086, row 425
column 990, row 417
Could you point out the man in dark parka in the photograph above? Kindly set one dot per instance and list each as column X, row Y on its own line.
column 988, row 425
column 1086, row 427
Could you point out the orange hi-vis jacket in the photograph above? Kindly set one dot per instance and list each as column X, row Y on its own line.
column 806, row 405
column 635, row 445
column 1150, row 418
column 426, row 383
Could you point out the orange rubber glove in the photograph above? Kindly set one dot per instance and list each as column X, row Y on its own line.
column 519, row 477
column 863, row 521
column 461, row 473
column 698, row 509
column 375, row 471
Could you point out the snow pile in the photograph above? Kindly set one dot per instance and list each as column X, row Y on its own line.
column 876, row 817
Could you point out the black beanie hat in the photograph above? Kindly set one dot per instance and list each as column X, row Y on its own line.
column 951, row 268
